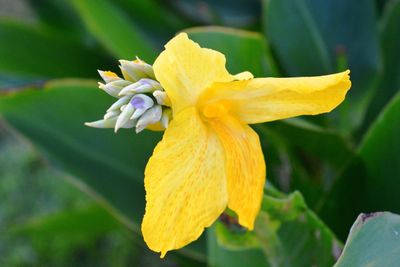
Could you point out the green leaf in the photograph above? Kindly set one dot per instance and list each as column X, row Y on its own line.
column 75, row 225
column 155, row 19
column 58, row 16
column 382, row 5
column 235, row 238
column 288, row 234
column 56, row 240
column 303, row 156
column 239, row 13
column 27, row 51
column 111, row 165
column 326, row 144
column 108, row 166
column 374, row 240
column 369, row 183
column 380, row 154
column 221, row 256
column 114, row 30
column 285, row 166
column 16, row 82
column 244, row 51
column 292, row 235
column 389, row 83
column 310, row 37
column 297, row 41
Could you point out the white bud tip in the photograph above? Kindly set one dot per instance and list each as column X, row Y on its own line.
column 110, row 123
column 108, row 76
column 162, row 98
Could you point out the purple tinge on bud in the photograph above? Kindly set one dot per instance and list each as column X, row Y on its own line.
column 137, row 102
column 144, row 81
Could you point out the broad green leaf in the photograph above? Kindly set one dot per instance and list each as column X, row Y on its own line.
column 370, row 182
column 221, row 256
column 58, row 17
column 292, row 235
column 114, row 30
column 303, row 156
column 244, row 51
column 89, row 230
column 288, row 234
column 382, row 4
column 239, row 13
column 155, row 19
column 310, row 37
column 296, row 40
column 16, row 82
column 233, row 237
column 379, row 152
column 374, row 240
column 285, row 165
column 27, row 51
column 106, row 165
column 389, row 83
column 53, row 119
column 76, row 226
column 326, row 144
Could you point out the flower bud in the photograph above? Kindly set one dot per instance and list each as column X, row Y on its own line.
column 111, row 114
column 162, row 98
column 119, row 103
column 141, row 103
column 146, row 68
column 166, row 117
column 129, row 90
column 130, row 71
column 151, row 116
column 106, row 123
column 124, row 117
column 113, row 88
column 141, row 99
column 144, row 85
column 108, row 76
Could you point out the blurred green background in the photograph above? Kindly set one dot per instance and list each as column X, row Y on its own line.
column 73, row 196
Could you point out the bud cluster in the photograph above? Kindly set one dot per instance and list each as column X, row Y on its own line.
column 142, row 102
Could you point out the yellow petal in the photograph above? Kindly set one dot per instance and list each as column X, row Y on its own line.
column 245, row 75
column 245, row 167
column 185, row 69
column 157, row 127
column 268, row 99
column 185, row 184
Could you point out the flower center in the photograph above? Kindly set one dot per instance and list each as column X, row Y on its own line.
column 215, row 110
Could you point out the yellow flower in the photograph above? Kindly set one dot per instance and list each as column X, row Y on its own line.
column 209, row 158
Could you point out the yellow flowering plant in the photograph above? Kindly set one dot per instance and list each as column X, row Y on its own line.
column 209, row 158
column 317, row 177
